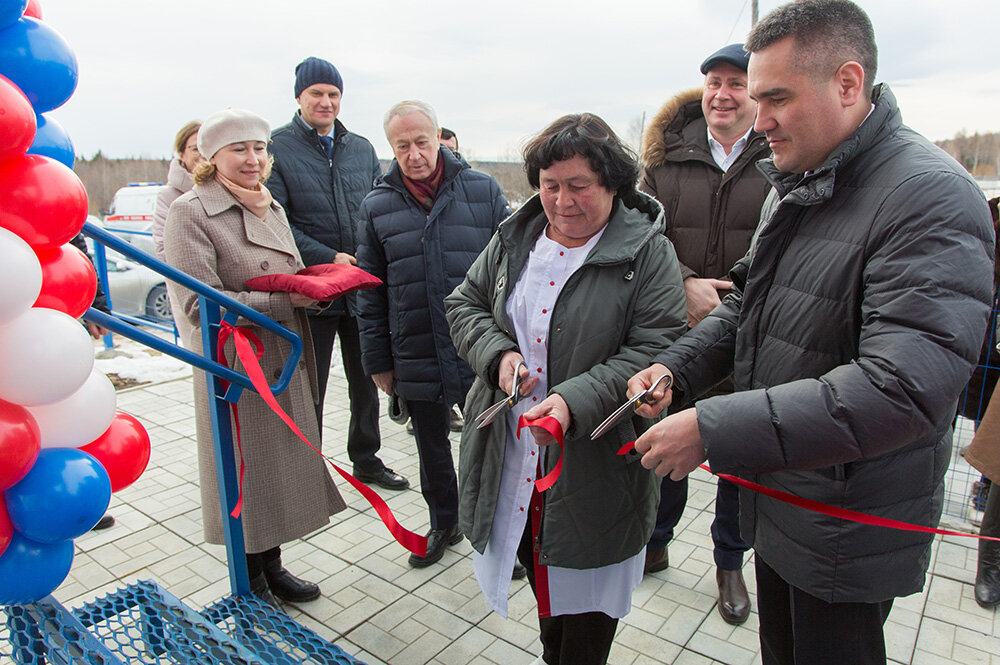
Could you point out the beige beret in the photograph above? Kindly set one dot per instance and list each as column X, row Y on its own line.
column 231, row 126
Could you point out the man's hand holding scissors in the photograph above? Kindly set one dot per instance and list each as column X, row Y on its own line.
column 672, row 446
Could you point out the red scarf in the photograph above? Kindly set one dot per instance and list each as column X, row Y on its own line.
column 425, row 190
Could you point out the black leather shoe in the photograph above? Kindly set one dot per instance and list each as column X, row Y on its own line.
column 259, row 588
column 520, row 572
column 656, row 560
column 286, row 586
column 437, row 540
column 105, row 522
column 734, row 601
column 385, row 478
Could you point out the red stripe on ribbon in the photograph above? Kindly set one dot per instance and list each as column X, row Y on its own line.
column 224, row 335
column 411, row 541
column 541, row 570
column 552, row 426
column 826, row 509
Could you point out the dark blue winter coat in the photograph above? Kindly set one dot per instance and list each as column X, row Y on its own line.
column 321, row 195
column 421, row 257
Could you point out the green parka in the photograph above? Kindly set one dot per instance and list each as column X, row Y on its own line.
column 620, row 308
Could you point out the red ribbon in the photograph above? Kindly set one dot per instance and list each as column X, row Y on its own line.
column 242, row 340
column 224, row 334
column 826, row 509
column 541, row 570
column 552, row 426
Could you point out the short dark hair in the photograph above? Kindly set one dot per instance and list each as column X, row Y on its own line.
column 827, row 34
column 587, row 135
column 447, row 134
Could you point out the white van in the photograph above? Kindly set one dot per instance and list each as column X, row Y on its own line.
column 132, row 209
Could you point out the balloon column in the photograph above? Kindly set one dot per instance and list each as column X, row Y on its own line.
column 63, row 447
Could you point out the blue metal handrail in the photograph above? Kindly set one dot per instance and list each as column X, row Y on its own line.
column 233, row 308
column 210, row 302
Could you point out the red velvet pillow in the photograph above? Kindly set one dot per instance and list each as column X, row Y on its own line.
column 325, row 281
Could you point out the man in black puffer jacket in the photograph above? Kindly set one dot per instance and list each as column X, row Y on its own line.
column 854, row 323
column 321, row 174
column 421, row 228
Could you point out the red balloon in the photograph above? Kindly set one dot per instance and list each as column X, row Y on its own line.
column 41, row 200
column 34, row 10
column 20, row 442
column 17, row 120
column 123, row 450
column 6, row 528
column 69, row 280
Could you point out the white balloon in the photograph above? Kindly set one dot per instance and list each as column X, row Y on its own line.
column 45, row 356
column 81, row 417
column 20, row 275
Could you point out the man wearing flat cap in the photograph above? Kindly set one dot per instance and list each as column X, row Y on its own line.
column 698, row 161
column 321, row 174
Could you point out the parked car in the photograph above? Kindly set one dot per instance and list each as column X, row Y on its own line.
column 133, row 288
column 137, row 290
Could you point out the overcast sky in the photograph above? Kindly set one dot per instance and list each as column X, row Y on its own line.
column 496, row 72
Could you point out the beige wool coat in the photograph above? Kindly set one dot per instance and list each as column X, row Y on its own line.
column 287, row 489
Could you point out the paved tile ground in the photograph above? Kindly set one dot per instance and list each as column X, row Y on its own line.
column 381, row 611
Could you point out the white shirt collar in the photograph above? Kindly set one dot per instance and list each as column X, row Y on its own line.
column 719, row 153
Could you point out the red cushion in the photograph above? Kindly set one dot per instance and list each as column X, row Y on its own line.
column 325, row 281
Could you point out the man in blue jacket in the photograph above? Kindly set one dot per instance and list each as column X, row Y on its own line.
column 422, row 226
column 321, row 174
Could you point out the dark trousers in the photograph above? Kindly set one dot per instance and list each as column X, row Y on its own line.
column 797, row 628
column 438, row 482
column 257, row 561
column 729, row 546
column 569, row 639
column 363, row 439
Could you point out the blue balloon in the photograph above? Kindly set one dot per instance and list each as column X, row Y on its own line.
column 63, row 496
column 39, row 61
column 29, row 571
column 10, row 11
column 51, row 140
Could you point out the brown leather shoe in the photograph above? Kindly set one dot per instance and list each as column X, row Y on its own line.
column 656, row 560
column 734, row 601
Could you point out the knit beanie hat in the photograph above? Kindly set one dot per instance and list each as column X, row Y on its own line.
column 316, row 70
column 231, row 126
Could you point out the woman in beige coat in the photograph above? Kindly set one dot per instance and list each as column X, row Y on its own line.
column 225, row 231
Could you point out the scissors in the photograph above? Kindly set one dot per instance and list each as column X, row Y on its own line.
column 506, row 404
column 645, row 397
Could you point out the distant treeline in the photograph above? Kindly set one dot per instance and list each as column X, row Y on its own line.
column 979, row 153
column 103, row 177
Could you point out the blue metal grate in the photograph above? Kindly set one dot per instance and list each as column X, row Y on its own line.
column 273, row 634
column 142, row 623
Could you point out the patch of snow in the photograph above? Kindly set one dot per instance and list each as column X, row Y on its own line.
column 131, row 360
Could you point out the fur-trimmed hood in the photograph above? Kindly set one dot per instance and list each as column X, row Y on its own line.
column 663, row 132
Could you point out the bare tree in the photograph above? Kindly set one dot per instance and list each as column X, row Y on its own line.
column 636, row 128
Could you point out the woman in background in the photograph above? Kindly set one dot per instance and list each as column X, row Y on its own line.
column 179, row 178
